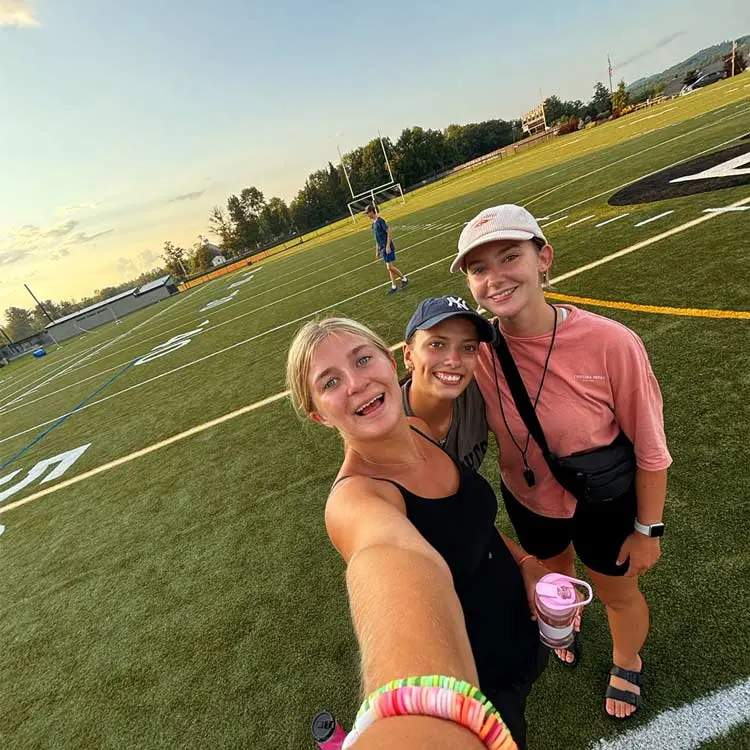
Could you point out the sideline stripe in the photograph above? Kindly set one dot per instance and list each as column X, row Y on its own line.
column 689, row 726
column 688, row 312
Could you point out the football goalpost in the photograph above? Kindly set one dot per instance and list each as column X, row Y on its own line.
column 388, row 191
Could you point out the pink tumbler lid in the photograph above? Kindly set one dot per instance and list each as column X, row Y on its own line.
column 556, row 591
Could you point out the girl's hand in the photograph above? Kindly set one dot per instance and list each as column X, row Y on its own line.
column 642, row 551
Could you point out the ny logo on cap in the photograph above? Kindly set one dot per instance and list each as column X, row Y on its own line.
column 457, row 301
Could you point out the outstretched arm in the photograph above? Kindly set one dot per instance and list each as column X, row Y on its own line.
column 405, row 611
column 404, row 606
column 407, row 616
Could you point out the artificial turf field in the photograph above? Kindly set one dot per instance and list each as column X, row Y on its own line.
column 179, row 590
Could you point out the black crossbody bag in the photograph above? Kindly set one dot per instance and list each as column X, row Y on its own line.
column 593, row 476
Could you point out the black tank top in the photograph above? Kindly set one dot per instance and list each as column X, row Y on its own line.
column 461, row 527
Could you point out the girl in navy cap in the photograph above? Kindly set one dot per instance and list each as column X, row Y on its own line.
column 441, row 350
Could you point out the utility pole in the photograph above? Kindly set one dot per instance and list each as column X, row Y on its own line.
column 41, row 306
column 734, row 54
column 609, row 69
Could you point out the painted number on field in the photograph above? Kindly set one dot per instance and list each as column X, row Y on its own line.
column 217, row 302
column 175, row 343
column 61, row 463
column 240, row 282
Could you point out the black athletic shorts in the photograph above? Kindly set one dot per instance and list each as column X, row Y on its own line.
column 597, row 531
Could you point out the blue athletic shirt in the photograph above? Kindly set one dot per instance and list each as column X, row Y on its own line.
column 380, row 230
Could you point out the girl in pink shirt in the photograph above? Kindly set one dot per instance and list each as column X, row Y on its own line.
column 589, row 380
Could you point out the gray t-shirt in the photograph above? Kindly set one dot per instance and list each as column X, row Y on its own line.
column 466, row 440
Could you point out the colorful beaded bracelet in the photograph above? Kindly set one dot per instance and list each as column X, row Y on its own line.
column 438, row 696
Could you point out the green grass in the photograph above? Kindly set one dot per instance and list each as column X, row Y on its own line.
column 190, row 597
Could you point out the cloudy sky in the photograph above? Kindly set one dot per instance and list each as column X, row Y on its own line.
column 123, row 123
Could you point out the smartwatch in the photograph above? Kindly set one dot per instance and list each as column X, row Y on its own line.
column 649, row 529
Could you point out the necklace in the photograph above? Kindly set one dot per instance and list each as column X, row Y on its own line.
column 398, row 465
column 528, row 472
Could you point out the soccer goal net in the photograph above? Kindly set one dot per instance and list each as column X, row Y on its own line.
column 377, row 197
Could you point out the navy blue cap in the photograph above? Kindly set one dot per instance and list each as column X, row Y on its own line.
column 434, row 310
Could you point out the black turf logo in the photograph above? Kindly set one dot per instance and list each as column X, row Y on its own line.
column 727, row 168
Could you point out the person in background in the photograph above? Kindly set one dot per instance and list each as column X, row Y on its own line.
column 384, row 247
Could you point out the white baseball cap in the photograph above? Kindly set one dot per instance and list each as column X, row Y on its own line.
column 506, row 222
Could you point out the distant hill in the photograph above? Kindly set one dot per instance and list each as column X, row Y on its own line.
column 698, row 61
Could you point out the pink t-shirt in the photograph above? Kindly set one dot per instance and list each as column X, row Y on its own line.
column 599, row 381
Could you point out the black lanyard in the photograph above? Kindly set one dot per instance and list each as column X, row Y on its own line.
column 528, row 473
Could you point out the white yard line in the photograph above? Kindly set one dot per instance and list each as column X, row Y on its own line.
column 278, row 396
column 550, row 223
column 688, row 727
column 609, row 221
column 580, row 221
column 142, row 452
column 653, row 218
